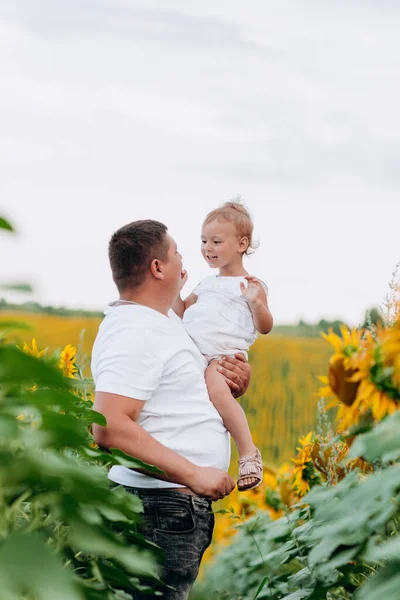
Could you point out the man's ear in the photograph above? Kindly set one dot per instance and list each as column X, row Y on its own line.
column 156, row 269
column 243, row 244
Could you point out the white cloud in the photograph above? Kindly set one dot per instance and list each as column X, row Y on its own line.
column 112, row 111
column 22, row 151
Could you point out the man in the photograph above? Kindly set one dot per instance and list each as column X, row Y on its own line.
column 150, row 386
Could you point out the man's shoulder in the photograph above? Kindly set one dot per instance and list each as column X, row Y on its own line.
column 136, row 323
column 145, row 341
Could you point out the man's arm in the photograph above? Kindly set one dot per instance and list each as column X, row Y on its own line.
column 237, row 373
column 123, row 432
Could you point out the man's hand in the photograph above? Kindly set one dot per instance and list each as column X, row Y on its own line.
column 237, row 372
column 211, row 483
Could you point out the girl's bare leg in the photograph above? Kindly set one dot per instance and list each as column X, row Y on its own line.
column 231, row 412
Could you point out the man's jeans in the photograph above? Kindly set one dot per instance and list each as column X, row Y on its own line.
column 182, row 525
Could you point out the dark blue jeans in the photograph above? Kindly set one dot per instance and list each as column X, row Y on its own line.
column 182, row 525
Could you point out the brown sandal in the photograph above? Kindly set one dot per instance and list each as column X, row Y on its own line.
column 250, row 467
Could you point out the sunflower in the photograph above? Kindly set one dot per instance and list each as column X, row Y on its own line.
column 67, row 361
column 304, row 475
column 34, row 351
column 366, row 381
column 390, row 358
column 379, row 374
column 345, row 346
column 342, row 365
column 300, row 483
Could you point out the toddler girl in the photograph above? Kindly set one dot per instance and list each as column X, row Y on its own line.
column 222, row 315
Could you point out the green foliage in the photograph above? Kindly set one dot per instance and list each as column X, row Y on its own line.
column 36, row 307
column 4, row 224
column 344, row 543
column 307, row 330
column 24, row 288
column 263, row 554
column 302, row 329
column 372, row 318
column 324, row 326
column 60, row 523
column 64, row 533
column 381, row 443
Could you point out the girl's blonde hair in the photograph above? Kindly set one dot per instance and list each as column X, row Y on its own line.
column 236, row 213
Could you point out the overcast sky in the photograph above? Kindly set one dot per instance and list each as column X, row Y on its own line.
column 117, row 110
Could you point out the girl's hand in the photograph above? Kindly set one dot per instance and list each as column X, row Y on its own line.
column 251, row 293
column 184, row 278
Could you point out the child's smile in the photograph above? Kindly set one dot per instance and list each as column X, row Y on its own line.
column 220, row 245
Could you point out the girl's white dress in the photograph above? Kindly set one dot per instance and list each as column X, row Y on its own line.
column 220, row 322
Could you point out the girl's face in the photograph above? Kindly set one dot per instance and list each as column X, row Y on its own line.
column 220, row 244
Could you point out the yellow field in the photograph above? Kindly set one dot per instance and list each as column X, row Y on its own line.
column 54, row 331
column 280, row 403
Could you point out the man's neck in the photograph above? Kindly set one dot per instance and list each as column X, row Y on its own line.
column 153, row 300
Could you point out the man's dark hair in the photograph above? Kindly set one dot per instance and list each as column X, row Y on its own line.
column 132, row 249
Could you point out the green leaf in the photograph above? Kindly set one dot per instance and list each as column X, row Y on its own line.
column 43, row 398
column 8, row 427
column 115, row 576
column 275, row 558
column 79, row 383
column 260, row 587
column 389, row 550
column 92, row 416
column 18, row 367
column 253, row 525
column 380, row 443
column 4, row 224
column 222, row 511
column 120, row 458
column 302, row 579
column 9, row 325
column 385, row 585
column 64, row 430
column 27, row 567
column 339, row 559
column 99, row 541
column 344, row 519
column 305, row 593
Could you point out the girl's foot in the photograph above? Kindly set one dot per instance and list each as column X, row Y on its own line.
column 250, row 471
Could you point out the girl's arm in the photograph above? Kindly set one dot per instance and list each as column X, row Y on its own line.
column 179, row 306
column 256, row 298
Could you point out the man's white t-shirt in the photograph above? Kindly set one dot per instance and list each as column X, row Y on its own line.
column 142, row 354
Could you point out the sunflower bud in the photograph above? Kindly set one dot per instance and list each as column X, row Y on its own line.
column 339, row 381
